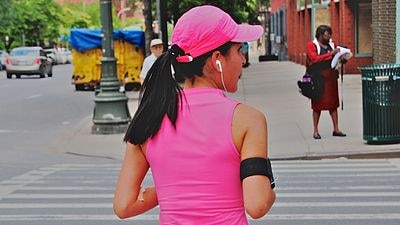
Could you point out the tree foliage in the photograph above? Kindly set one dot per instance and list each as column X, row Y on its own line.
column 43, row 22
column 242, row 11
column 30, row 22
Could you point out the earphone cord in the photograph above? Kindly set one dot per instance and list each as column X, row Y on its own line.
column 223, row 83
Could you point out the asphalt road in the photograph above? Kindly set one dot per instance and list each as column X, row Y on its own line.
column 33, row 114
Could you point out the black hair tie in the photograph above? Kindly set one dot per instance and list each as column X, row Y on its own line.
column 175, row 50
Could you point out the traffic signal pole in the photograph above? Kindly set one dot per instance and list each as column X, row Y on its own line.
column 111, row 114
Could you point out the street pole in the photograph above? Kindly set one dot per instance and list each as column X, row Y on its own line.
column 111, row 114
column 162, row 21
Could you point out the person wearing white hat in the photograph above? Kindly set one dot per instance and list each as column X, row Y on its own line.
column 156, row 48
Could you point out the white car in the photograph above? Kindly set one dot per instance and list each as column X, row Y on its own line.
column 28, row 61
column 69, row 56
column 58, row 57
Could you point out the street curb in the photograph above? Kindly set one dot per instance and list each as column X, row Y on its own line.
column 360, row 155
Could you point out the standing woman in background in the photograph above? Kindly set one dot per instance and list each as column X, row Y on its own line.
column 320, row 53
column 207, row 152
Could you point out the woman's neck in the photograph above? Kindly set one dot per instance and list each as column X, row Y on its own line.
column 322, row 43
column 199, row 82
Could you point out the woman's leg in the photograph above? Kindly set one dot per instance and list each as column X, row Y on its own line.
column 335, row 119
column 316, row 115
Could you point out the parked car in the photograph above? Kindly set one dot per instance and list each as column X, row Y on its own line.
column 3, row 56
column 58, row 57
column 28, row 61
column 69, row 56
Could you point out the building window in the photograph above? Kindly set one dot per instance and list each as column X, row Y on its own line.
column 321, row 15
column 364, row 27
column 300, row 5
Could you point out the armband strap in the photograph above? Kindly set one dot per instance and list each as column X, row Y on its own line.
column 256, row 166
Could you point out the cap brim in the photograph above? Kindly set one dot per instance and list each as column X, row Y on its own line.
column 248, row 32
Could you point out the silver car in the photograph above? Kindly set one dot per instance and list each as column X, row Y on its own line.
column 28, row 61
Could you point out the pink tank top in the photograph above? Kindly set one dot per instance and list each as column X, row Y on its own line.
column 196, row 165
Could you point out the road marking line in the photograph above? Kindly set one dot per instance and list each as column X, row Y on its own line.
column 68, row 188
column 335, row 204
column 277, row 204
column 342, row 187
column 34, row 96
column 54, row 205
column 279, row 195
column 58, row 196
column 338, row 194
column 154, row 217
column 336, row 165
column 342, row 175
column 352, row 170
column 7, row 131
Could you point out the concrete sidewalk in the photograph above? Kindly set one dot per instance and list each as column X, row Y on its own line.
column 271, row 87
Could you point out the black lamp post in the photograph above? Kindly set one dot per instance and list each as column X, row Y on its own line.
column 111, row 114
column 162, row 21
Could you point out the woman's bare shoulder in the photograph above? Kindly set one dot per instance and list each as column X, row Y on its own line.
column 249, row 116
column 249, row 112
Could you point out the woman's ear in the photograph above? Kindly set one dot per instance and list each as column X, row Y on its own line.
column 216, row 61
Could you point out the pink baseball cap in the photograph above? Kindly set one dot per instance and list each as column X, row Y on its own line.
column 205, row 28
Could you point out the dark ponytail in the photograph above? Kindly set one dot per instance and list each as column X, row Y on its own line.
column 161, row 93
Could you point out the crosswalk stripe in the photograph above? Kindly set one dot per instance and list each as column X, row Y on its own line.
column 342, row 175
column 353, row 170
column 109, row 205
column 327, row 165
column 66, row 188
column 279, row 194
column 342, row 188
column 281, row 188
column 54, row 205
column 338, row 194
column 58, row 196
column 153, row 217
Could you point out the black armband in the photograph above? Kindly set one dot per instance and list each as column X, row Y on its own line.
column 256, row 166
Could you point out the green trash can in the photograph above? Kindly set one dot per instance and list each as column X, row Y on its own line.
column 381, row 103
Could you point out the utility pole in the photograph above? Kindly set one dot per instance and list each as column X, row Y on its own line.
column 148, row 20
column 162, row 20
column 111, row 114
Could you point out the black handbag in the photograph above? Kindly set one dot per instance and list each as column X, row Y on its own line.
column 311, row 86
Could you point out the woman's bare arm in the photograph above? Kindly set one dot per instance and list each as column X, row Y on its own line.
column 252, row 140
column 134, row 168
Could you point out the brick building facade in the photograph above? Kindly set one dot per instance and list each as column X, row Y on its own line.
column 384, row 31
column 351, row 27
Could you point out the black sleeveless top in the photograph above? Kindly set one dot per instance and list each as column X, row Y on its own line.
column 325, row 64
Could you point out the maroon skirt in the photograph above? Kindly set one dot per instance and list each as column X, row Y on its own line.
column 330, row 97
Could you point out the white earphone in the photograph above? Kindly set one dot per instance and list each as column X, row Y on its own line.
column 219, row 65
